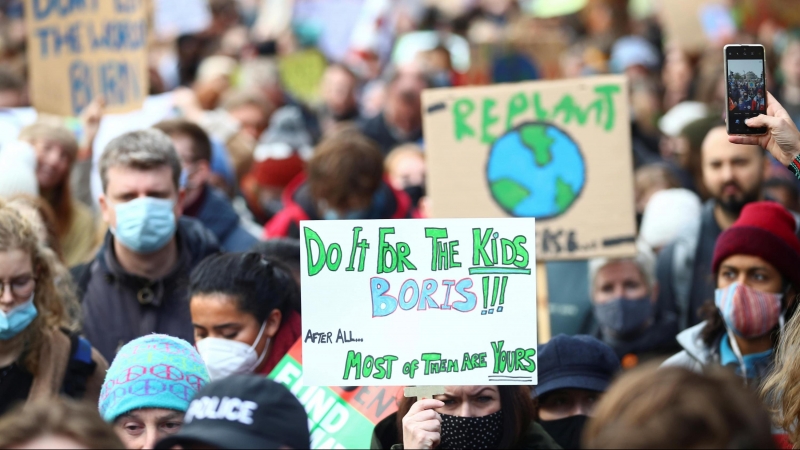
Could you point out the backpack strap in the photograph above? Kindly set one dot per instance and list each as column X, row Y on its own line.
column 79, row 368
column 81, row 274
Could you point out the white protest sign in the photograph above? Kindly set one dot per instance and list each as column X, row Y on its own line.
column 419, row 302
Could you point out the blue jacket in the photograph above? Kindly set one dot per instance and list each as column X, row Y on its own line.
column 218, row 215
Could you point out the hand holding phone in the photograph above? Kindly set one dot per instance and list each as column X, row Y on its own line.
column 782, row 139
column 745, row 82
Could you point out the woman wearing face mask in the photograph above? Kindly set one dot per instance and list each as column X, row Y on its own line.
column 465, row 417
column 40, row 356
column 241, row 306
column 623, row 294
column 757, row 267
column 574, row 373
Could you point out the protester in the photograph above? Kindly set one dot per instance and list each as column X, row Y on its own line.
column 148, row 388
column 242, row 313
column 136, row 285
column 266, row 415
column 667, row 214
column 400, row 121
column 574, row 371
column 285, row 251
column 465, row 417
column 405, row 168
column 41, row 355
column 677, row 408
column 344, row 181
column 734, row 176
column 783, row 191
column 202, row 201
column 56, row 152
column 51, row 424
column 41, row 217
column 339, row 104
column 649, row 179
column 689, row 152
column 623, row 293
column 756, row 265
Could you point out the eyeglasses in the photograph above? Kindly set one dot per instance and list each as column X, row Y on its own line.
column 20, row 287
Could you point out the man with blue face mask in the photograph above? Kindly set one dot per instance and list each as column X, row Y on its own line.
column 137, row 283
column 344, row 181
column 623, row 297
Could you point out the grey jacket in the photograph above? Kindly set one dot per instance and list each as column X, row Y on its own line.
column 695, row 354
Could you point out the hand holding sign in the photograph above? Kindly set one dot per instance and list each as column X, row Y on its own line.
column 422, row 426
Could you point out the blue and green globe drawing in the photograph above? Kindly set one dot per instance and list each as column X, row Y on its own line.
column 535, row 170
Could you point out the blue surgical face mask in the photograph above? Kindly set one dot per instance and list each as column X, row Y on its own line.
column 13, row 322
column 145, row 224
column 623, row 316
column 332, row 214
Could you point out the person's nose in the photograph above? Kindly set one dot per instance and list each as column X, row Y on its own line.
column 151, row 438
column 726, row 172
column 466, row 410
column 6, row 297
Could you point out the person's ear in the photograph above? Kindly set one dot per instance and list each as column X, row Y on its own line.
column 105, row 208
column 179, row 205
column 203, row 172
column 273, row 323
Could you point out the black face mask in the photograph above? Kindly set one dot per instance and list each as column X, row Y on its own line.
column 416, row 193
column 472, row 432
column 567, row 431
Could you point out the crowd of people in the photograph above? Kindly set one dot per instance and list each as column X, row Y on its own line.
column 145, row 309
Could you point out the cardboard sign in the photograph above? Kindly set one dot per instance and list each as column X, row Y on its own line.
column 301, row 73
column 338, row 418
column 79, row 50
column 559, row 151
column 419, row 302
column 683, row 23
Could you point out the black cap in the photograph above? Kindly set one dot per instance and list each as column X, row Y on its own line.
column 577, row 362
column 243, row 411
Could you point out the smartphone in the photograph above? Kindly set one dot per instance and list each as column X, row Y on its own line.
column 745, row 81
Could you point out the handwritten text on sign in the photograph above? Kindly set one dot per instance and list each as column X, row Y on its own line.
column 81, row 49
column 419, row 302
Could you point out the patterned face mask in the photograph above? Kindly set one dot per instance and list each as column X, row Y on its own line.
column 472, row 432
column 748, row 312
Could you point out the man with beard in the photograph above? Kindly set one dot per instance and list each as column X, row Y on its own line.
column 733, row 175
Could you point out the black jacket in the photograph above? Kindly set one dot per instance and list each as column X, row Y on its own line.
column 119, row 307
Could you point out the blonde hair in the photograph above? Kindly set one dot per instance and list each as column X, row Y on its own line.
column 51, row 132
column 399, row 152
column 60, row 197
column 53, row 310
column 781, row 389
column 79, row 421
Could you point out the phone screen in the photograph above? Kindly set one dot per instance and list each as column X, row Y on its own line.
column 747, row 93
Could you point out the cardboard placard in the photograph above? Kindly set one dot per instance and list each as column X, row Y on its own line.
column 559, row 151
column 682, row 22
column 419, row 302
column 338, row 418
column 79, row 50
column 301, row 73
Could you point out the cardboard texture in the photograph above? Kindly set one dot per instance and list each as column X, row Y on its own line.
column 427, row 302
column 559, row 151
column 337, row 417
column 78, row 51
column 683, row 24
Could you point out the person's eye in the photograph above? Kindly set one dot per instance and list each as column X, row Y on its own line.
column 484, row 399
column 449, row 401
column 231, row 335
column 172, row 427
column 133, row 428
column 759, row 277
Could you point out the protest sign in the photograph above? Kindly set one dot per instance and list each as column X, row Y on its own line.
column 301, row 73
column 419, row 302
column 559, row 151
column 79, row 50
column 338, row 418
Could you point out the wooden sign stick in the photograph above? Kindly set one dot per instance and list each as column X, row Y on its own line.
column 423, row 391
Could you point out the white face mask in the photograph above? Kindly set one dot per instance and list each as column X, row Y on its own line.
column 225, row 357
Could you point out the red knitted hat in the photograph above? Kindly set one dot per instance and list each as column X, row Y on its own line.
column 766, row 230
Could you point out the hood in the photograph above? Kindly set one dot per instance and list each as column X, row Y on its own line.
column 691, row 340
column 387, row 203
column 217, row 213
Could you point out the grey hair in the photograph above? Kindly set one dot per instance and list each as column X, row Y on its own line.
column 141, row 150
column 645, row 261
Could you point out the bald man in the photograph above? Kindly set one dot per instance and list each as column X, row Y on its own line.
column 733, row 175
